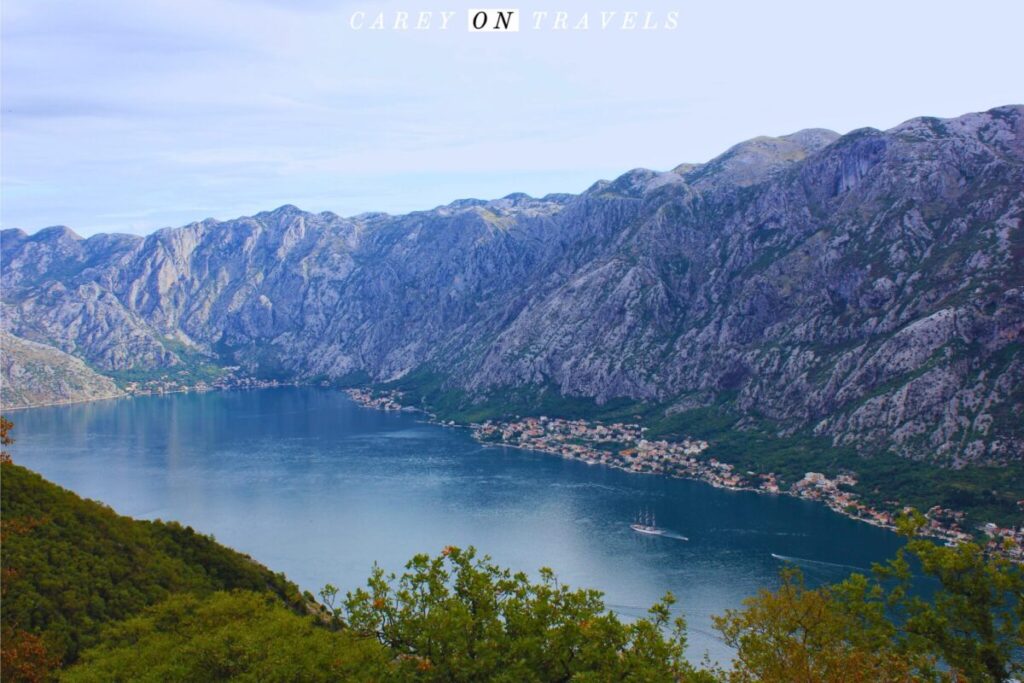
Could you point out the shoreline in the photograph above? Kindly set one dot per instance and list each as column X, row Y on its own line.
column 712, row 484
column 389, row 403
column 433, row 419
column 814, row 487
column 56, row 404
column 200, row 388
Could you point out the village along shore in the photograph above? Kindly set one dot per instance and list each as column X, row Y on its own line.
column 623, row 446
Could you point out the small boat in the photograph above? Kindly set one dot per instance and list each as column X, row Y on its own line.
column 646, row 524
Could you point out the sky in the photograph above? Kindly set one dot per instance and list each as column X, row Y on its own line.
column 127, row 116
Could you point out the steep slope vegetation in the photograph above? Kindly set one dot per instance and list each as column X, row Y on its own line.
column 71, row 566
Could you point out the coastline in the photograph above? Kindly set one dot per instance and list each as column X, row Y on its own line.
column 834, row 493
column 713, row 484
column 71, row 402
column 390, row 402
column 362, row 398
column 161, row 389
column 814, row 487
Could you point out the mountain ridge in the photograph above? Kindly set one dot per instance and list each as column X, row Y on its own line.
column 866, row 288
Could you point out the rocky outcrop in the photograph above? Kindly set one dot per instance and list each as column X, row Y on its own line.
column 34, row 374
column 868, row 288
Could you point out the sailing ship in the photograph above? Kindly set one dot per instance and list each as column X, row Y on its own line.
column 647, row 524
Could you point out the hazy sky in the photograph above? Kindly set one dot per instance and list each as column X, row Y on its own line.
column 127, row 116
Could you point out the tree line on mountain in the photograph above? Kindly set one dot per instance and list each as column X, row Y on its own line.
column 88, row 595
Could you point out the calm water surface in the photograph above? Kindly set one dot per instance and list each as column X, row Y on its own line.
column 311, row 484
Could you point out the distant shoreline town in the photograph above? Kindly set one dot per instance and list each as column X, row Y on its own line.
column 229, row 381
column 623, row 446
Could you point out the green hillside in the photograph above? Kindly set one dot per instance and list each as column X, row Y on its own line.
column 71, row 565
column 76, row 575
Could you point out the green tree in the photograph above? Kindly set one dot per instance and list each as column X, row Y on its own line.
column 6, row 426
column 828, row 635
column 458, row 617
column 974, row 621
column 237, row 635
column 970, row 628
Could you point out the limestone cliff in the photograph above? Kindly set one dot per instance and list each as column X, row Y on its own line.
column 867, row 287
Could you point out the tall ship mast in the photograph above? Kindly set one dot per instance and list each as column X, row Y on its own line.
column 646, row 524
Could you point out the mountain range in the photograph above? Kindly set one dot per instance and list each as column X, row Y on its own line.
column 866, row 289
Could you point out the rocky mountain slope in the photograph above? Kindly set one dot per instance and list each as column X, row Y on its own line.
column 867, row 288
column 36, row 374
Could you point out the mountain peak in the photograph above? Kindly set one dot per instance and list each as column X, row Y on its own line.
column 55, row 233
column 811, row 139
column 1000, row 128
column 13, row 234
column 283, row 211
column 754, row 160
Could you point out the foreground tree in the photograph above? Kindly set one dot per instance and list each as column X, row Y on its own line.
column 826, row 635
column 969, row 628
column 237, row 635
column 974, row 621
column 459, row 617
column 5, row 438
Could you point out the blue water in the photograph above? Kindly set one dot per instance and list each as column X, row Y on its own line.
column 313, row 485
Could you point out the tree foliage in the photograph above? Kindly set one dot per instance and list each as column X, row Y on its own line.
column 24, row 656
column 5, row 438
column 974, row 621
column 801, row 635
column 967, row 624
column 459, row 617
column 237, row 635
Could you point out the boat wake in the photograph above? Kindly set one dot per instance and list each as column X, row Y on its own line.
column 818, row 563
column 659, row 533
